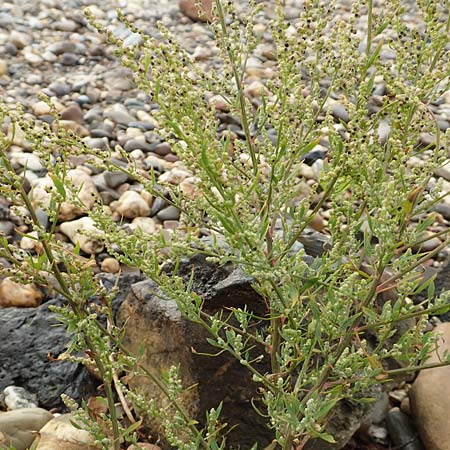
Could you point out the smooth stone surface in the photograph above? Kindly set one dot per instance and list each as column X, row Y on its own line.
column 19, row 427
column 430, row 397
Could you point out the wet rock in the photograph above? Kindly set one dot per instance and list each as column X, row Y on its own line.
column 19, row 427
column 17, row 397
column 189, row 8
column 430, row 397
column 131, row 205
column 84, row 233
column 60, row 434
column 19, row 295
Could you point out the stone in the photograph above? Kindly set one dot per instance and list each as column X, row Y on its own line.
column 30, row 241
column 72, row 112
column 84, row 233
column 16, row 397
column 3, row 68
column 42, row 108
column 58, row 48
column 402, row 431
column 60, row 434
column 20, row 40
column 69, row 59
column 145, row 224
column 162, row 149
column 189, row 9
column 219, row 103
column 110, row 265
column 32, row 58
column 19, row 427
column 119, row 114
column 131, row 205
column 19, row 295
column 153, row 322
column 174, row 176
column 169, row 213
column 339, row 112
column 430, row 397
column 83, row 186
column 115, row 178
column 65, row 25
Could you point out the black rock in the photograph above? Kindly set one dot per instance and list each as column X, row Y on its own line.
column 29, row 336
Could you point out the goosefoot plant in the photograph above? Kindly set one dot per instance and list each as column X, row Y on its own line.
column 332, row 326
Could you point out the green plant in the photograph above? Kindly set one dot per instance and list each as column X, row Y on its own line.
column 321, row 318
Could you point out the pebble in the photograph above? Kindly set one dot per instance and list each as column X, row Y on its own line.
column 16, row 397
column 143, row 446
column 168, row 213
column 189, row 8
column 115, row 178
column 72, row 112
column 19, row 295
column 65, row 25
column 131, row 205
column 84, row 233
column 145, row 224
column 110, row 265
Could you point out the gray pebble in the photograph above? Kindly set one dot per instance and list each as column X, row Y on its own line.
column 168, row 213
column 69, row 59
column 59, row 88
column 115, row 178
column 58, row 48
column 136, row 144
column 157, row 205
column 6, row 227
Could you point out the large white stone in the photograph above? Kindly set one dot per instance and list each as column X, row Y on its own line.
column 84, row 232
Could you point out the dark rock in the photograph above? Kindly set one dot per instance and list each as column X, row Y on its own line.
column 402, row 432
column 311, row 157
column 157, row 205
column 154, row 323
column 58, row 48
column 137, row 144
column 29, row 336
column 144, row 126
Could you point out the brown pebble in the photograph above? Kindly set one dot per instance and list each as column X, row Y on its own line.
column 110, row 265
column 171, row 157
column 72, row 112
column 188, row 8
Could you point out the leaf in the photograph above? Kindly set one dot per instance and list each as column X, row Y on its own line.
column 375, row 54
column 59, row 185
